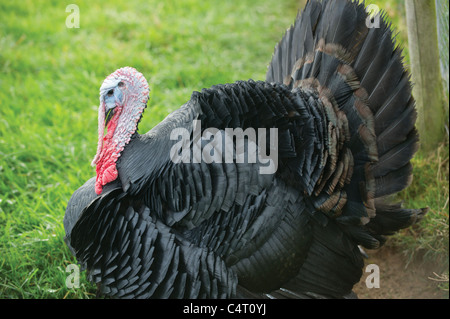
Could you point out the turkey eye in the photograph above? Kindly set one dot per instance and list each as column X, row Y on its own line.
column 110, row 92
column 121, row 84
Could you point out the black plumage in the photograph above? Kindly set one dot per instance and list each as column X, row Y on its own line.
column 340, row 99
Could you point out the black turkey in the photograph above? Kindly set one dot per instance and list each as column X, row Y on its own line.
column 293, row 176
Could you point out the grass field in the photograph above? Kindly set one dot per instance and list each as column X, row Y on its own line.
column 49, row 79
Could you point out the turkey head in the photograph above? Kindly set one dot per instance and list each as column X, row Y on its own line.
column 123, row 98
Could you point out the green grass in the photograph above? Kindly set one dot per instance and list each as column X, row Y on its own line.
column 49, row 80
column 429, row 239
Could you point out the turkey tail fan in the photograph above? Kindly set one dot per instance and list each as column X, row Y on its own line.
column 388, row 86
column 360, row 71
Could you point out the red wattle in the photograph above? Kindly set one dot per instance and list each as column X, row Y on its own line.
column 106, row 166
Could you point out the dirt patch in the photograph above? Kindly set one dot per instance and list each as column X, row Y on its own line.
column 399, row 280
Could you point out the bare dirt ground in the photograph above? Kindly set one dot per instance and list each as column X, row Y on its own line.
column 399, row 280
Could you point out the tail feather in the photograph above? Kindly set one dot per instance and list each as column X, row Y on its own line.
column 296, row 43
column 370, row 46
column 370, row 75
column 387, row 83
column 394, row 181
column 341, row 19
column 399, row 101
column 391, row 217
column 397, row 157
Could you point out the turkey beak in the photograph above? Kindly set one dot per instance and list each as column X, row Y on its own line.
column 110, row 105
column 108, row 115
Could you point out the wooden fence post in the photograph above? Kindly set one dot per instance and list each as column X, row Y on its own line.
column 425, row 69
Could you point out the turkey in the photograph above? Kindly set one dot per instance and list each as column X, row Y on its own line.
column 254, row 188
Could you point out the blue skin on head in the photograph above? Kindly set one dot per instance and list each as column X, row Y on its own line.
column 112, row 97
